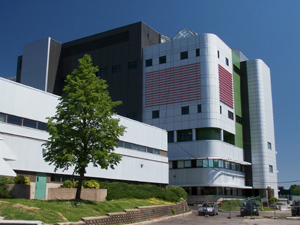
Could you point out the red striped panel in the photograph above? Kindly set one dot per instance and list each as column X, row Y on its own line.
column 226, row 87
column 173, row 85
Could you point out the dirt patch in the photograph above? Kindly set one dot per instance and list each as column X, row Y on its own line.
column 24, row 206
column 3, row 202
column 61, row 215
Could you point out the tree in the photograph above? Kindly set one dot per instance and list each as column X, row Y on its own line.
column 83, row 129
column 295, row 189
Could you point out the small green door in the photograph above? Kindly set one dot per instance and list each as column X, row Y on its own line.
column 40, row 186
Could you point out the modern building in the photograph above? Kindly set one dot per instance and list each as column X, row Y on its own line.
column 23, row 112
column 215, row 103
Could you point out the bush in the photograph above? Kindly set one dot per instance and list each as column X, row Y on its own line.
column 179, row 191
column 273, row 199
column 92, row 184
column 19, row 179
column 67, row 184
column 4, row 193
column 118, row 190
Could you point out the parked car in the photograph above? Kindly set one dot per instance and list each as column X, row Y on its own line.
column 295, row 208
column 249, row 206
column 208, row 208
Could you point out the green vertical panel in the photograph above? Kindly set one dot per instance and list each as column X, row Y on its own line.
column 237, row 101
column 40, row 186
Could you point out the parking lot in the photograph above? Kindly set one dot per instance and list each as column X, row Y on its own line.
column 265, row 218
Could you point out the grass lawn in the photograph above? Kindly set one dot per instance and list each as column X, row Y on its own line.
column 66, row 211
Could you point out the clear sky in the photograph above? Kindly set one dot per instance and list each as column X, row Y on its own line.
column 261, row 29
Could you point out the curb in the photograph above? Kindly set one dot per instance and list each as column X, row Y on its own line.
column 162, row 218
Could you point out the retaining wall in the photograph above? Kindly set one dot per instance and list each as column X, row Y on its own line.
column 134, row 215
column 70, row 193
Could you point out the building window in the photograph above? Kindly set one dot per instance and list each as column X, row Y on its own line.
column 184, row 135
column 218, row 54
column 143, row 149
column 199, row 109
column 170, row 136
column 120, row 144
column 155, row 114
column 127, row 145
column 116, row 68
column 184, row 55
column 220, row 109
column 237, row 70
column 205, row 162
column 180, row 164
column 197, row 52
column 102, row 71
column 185, row 110
column 230, row 115
column 162, row 59
column 132, row 65
column 188, row 164
column 29, row 123
column 150, row 150
column 199, row 163
column 42, row 126
column 269, row 145
column 170, row 165
column 132, row 116
column 238, row 119
column 2, row 117
column 14, row 120
column 148, row 62
column 227, row 61
column 156, row 151
column 270, row 169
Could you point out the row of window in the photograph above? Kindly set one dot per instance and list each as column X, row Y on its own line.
column 116, row 68
column 6, row 118
column 226, row 59
column 206, row 163
column 213, row 191
column 138, row 147
column 185, row 110
column 163, row 59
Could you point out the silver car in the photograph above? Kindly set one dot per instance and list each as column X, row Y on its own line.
column 208, row 208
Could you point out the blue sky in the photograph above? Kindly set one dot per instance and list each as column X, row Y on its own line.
column 268, row 30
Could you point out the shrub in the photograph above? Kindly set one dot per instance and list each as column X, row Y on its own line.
column 4, row 193
column 92, row 184
column 19, row 179
column 273, row 199
column 179, row 191
column 67, row 184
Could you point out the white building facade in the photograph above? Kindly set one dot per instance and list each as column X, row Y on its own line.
column 217, row 108
column 23, row 112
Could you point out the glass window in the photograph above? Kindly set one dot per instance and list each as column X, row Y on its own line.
column 116, row 68
column 230, row 115
column 2, row 117
column 170, row 165
column 269, row 146
column 238, row 119
column 162, row 59
column 148, row 62
column 227, row 62
column 238, row 167
column 55, row 178
column 150, row 150
column 199, row 109
column 184, row 135
column 29, row 123
column 121, row 143
column 226, row 165
column 232, row 166
column 42, row 126
column 270, row 169
column 199, row 163
column 127, row 145
column 174, row 164
column 156, row 151
column 205, row 162
column 220, row 109
column 185, row 110
column 221, row 163
column 135, row 147
column 184, row 55
column 103, row 71
column 180, row 164
column 132, row 65
column 187, row 164
column 216, row 163
column 197, row 52
column 143, row 148
column 210, row 163
column 155, row 114
column 218, row 54
column 170, row 136
column 14, row 120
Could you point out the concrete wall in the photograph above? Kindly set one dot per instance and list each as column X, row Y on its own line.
column 70, row 193
column 19, row 190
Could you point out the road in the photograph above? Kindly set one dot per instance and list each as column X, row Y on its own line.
column 266, row 218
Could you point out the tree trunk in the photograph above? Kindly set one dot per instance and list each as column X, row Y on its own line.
column 81, row 177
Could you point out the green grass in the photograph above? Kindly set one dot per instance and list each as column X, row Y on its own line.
column 66, row 211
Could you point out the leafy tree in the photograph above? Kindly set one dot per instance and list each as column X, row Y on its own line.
column 295, row 188
column 83, row 130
